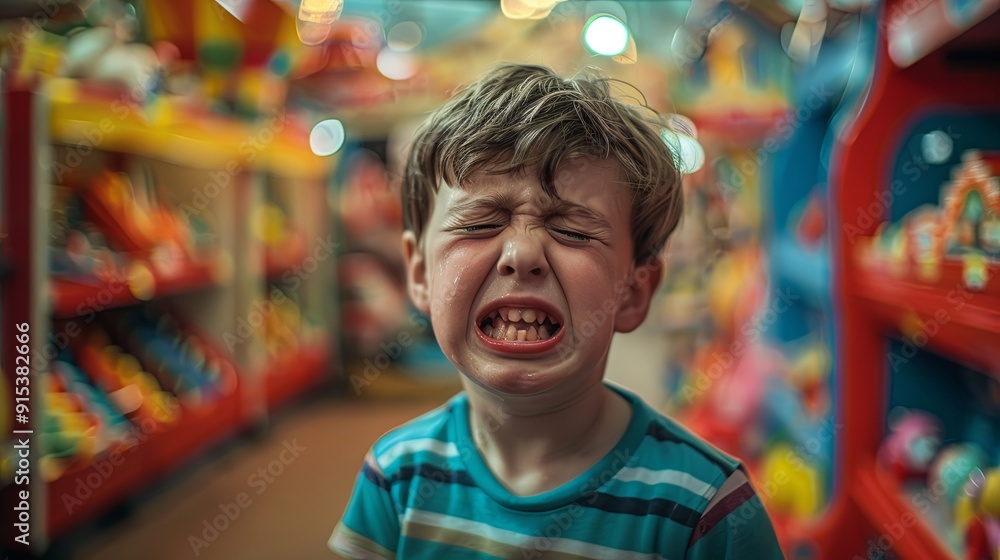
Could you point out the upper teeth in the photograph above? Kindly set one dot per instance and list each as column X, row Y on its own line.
column 515, row 314
column 519, row 324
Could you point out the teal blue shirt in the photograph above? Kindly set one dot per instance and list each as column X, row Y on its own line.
column 425, row 492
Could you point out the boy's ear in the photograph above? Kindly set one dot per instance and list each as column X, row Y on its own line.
column 416, row 273
column 634, row 304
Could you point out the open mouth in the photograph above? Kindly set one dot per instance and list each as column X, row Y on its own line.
column 515, row 324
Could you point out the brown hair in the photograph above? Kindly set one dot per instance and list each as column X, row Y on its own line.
column 518, row 117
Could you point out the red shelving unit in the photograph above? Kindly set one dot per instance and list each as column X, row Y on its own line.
column 965, row 324
column 86, row 492
column 295, row 374
column 71, row 298
column 876, row 304
column 211, row 297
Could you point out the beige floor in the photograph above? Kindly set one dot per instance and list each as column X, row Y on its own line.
column 288, row 518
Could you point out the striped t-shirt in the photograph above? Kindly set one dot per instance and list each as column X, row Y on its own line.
column 425, row 492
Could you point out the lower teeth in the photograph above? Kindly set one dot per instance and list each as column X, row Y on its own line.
column 510, row 333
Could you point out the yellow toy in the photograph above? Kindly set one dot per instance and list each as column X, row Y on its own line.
column 791, row 485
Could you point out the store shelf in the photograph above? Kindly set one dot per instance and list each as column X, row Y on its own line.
column 84, row 493
column 197, row 430
column 960, row 324
column 106, row 118
column 71, row 298
column 884, row 503
column 291, row 376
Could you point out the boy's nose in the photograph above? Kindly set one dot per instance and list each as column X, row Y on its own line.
column 523, row 256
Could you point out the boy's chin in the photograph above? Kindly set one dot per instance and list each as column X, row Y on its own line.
column 516, row 383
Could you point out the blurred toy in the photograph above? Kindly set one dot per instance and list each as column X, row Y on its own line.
column 808, row 373
column 69, row 432
column 113, row 424
column 914, row 439
column 982, row 515
column 951, row 469
column 971, row 198
column 964, row 224
column 76, row 249
column 119, row 375
column 923, row 229
column 793, row 484
column 115, row 208
column 107, row 53
column 181, row 362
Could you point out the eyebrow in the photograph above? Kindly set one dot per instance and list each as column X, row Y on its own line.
column 562, row 207
column 493, row 201
column 552, row 206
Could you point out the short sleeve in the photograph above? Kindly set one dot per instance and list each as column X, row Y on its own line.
column 734, row 525
column 369, row 529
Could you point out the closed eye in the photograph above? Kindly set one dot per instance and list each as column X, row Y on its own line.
column 575, row 236
column 478, row 228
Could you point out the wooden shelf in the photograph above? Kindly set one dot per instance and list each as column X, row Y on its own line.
column 291, row 376
column 83, row 493
column 959, row 323
column 72, row 298
column 882, row 500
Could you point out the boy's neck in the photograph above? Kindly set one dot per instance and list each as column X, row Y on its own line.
column 532, row 449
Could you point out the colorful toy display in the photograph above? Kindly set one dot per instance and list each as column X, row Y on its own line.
column 981, row 523
column 951, row 469
column 913, row 441
column 183, row 363
column 133, row 391
column 963, row 227
column 68, row 431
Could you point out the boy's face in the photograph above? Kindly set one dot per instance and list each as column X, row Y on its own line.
column 524, row 290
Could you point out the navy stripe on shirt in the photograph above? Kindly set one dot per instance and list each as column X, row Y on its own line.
column 637, row 506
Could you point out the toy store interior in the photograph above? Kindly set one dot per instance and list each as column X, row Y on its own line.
column 205, row 322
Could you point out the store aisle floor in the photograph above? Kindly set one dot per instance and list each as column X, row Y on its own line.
column 287, row 515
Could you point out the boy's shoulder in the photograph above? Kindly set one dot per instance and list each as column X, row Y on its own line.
column 670, row 445
column 424, row 439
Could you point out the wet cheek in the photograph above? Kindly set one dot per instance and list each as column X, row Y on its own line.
column 455, row 275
